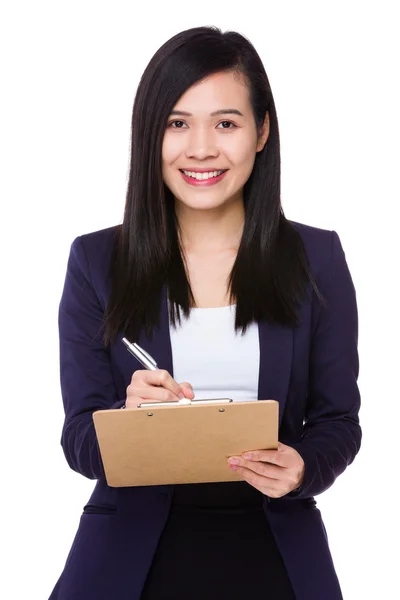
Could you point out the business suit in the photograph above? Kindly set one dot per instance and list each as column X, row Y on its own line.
column 311, row 370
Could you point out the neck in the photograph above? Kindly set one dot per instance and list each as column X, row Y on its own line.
column 209, row 231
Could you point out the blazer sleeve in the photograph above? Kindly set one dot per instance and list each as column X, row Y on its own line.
column 331, row 434
column 86, row 377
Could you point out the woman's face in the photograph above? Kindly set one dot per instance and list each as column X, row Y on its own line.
column 198, row 140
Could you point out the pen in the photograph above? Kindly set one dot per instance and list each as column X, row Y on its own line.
column 147, row 361
column 141, row 355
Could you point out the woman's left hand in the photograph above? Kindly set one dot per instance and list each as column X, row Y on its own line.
column 274, row 473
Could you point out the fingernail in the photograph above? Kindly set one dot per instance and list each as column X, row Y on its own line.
column 248, row 455
column 180, row 395
column 233, row 460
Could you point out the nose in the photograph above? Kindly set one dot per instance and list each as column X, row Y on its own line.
column 201, row 144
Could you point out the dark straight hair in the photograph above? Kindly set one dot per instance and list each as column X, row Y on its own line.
column 270, row 274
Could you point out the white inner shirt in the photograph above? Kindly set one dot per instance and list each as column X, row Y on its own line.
column 213, row 358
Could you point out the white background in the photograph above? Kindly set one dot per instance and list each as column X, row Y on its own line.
column 69, row 74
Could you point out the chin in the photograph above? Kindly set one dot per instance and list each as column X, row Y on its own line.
column 202, row 203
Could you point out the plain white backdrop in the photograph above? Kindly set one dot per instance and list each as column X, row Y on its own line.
column 69, row 74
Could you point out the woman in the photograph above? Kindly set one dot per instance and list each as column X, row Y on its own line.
column 205, row 256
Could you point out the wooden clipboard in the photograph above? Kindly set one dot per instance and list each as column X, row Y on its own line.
column 182, row 444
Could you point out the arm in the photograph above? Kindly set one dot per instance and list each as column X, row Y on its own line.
column 332, row 435
column 87, row 383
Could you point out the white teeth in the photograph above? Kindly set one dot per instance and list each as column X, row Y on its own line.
column 201, row 176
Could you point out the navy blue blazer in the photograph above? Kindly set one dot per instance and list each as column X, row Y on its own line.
column 311, row 370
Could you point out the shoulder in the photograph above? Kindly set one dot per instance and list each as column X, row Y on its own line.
column 90, row 259
column 321, row 245
column 96, row 246
column 101, row 240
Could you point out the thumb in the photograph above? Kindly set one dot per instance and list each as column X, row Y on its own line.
column 187, row 389
column 282, row 447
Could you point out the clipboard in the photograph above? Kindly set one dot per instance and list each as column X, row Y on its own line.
column 182, row 444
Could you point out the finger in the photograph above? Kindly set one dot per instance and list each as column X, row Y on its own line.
column 160, row 377
column 287, row 479
column 255, row 479
column 187, row 390
column 267, row 486
column 150, row 393
column 159, row 394
column 262, row 468
column 275, row 457
column 283, row 447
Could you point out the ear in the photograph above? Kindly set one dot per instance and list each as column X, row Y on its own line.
column 264, row 133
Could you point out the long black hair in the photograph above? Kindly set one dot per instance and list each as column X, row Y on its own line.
column 270, row 273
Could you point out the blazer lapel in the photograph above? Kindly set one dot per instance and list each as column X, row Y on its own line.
column 276, row 353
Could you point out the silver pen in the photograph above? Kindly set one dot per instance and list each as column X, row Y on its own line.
column 142, row 356
column 149, row 363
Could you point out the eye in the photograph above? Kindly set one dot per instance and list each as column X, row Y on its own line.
column 229, row 123
column 171, row 123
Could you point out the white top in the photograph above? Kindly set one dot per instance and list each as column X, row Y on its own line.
column 217, row 362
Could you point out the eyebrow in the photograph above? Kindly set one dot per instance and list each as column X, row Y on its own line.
column 222, row 111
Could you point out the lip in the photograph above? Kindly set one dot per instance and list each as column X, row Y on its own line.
column 209, row 170
column 204, row 182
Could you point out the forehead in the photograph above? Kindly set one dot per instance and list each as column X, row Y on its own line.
column 216, row 91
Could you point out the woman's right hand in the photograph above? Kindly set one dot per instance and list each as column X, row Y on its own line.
column 155, row 386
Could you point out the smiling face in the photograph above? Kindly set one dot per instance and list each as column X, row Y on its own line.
column 211, row 129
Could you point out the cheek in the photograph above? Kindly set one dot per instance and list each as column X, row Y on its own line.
column 171, row 150
column 243, row 163
column 241, row 154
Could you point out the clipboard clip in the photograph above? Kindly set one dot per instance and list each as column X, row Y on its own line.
column 186, row 402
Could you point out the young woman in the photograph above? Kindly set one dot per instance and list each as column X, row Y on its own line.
column 205, row 259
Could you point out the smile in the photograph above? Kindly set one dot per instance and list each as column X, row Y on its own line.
column 203, row 179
